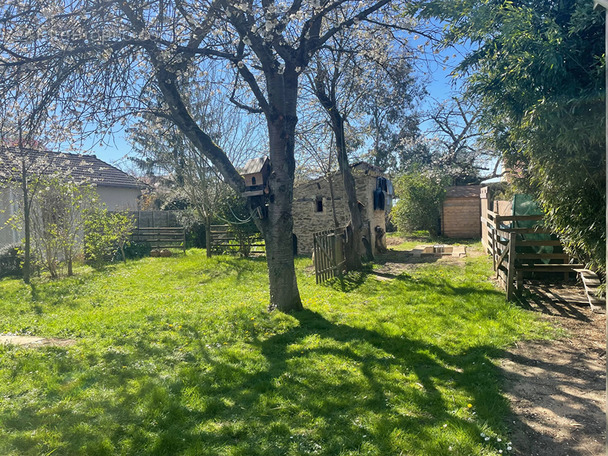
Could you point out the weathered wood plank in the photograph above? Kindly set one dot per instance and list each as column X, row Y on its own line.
column 536, row 230
column 548, row 242
column 550, row 267
column 542, row 256
column 520, row 218
column 591, row 282
column 511, row 266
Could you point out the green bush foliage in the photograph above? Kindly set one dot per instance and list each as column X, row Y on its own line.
column 105, row 235
column 419, row 205
column 537, row 70
column 56, row 221
column 11, row 258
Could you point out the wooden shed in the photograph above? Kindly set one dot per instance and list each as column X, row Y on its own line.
column 461, row 212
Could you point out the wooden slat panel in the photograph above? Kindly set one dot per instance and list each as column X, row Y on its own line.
column 548, row 242
column 520, row 218
column 542, row 256
column 325, row 244
column 550, row 267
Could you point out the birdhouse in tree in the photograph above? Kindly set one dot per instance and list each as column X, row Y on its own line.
column 256, row 173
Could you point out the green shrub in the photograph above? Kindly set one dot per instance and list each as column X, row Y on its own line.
column 11, row 259
column 419, row 205
column 137, row 249
column 105, row 235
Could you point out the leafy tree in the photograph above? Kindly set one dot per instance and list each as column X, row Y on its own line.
column 105, row 234
column 360, row 79
column 538, row 69
column 420, row 198
column 23, row 168
column 163, row 148
column 57, row 220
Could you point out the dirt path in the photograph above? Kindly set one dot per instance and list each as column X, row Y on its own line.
column 33, row 341
column 558, row 389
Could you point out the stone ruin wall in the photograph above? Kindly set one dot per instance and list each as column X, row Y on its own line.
column 308, row 221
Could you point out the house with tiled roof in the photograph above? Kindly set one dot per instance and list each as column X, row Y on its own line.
column 116, row 189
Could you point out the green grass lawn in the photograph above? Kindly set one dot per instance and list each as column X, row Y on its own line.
column 179, row 356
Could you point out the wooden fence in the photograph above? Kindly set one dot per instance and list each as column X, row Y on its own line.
column 162, row 237
column 160, row 229
column 224, row 240
column 512, row 249
column 328, row 253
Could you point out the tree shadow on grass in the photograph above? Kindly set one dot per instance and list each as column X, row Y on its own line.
column 558, row 300
column 392, row 266
column 320, row 387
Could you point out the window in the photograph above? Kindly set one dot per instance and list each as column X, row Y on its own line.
column 319, row 204
column 252, row 180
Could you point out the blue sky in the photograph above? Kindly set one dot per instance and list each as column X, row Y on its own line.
column 440, row 87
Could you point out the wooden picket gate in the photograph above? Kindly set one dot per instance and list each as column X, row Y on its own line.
column 328, row 253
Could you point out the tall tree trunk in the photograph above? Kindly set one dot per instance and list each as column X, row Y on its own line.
column 208, row 235
column 353, row 251
column 277, row 228
column 284, row 293
column 330, row 181
column 27, row 262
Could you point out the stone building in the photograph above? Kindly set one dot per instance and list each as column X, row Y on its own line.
column 314, row 208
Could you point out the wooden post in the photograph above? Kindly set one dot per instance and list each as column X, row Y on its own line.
column 338, row 253
column 495, row 243
column 511, row 267
column 519, row 278
column 315, row 257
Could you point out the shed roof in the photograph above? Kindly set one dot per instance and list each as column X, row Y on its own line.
column 85, row 168
column 255, row 165
column 367, row 168
column 464, row 191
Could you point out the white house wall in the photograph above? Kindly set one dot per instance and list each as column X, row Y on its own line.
column 8, row 207
column 117, row 199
